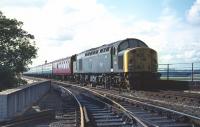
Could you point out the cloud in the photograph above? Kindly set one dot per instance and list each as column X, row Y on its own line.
column 66, row 27
column 193, row 14
column 62, row 27
column 175, row 40
column 22, row 3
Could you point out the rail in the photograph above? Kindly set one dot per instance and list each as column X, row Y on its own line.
column 114, row 102
column 80, row 106
column 120, row 107
column 158, row 107
column 191, row 117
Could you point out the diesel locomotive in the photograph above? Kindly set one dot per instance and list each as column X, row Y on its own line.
column 123, row 64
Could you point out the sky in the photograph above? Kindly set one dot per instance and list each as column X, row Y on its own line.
column 66, row 27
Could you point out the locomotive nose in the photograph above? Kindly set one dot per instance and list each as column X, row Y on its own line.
column 140, row 60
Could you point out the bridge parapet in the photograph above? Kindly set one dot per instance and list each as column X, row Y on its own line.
column 16, row 101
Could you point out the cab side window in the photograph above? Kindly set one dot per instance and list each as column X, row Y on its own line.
column 113, row 51
column 123, row 46
column 120, row 62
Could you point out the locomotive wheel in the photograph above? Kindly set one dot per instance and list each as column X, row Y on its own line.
column 93, row 84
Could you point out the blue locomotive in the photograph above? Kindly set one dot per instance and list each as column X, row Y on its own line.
column 119, row 64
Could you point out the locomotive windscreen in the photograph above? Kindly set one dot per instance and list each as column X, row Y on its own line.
column 131, row 43
column 136, row 43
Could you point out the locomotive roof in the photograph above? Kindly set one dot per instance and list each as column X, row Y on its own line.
column 105, row 45
column 111, row 44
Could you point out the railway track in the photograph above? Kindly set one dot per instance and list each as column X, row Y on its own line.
column 181, row 101
column 69, row 113
column 183, row 97
column 155, row 115
column 98, row 113
column 102, row 115
column 176, row 96
column 151, row 115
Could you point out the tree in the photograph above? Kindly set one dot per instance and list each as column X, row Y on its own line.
column 17, row 48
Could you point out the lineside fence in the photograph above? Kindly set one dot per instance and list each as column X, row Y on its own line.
column 180, row 71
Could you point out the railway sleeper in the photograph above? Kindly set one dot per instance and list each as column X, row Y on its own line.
column 103, row 116
column 159, row 117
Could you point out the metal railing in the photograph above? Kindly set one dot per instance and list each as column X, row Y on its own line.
column 180, row 71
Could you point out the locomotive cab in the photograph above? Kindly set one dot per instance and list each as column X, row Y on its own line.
column 140, row 59
column 124, row 52
column 137, row 62
column 135, row 56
